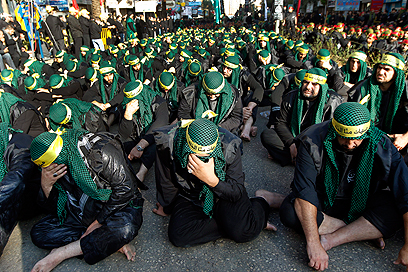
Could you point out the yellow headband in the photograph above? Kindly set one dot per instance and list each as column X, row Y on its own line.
column 166, row 87
column 29, row 62
column 213, row 91
column 134, row 62
column 350, row 131
column 191, row 72
column 51, row 154
column 315, row 78
column 359, row 55
column 106, row 70
column 84, row 49
column 230, row 65
column 32, row 86
column 393, row 61
column 297, row 81
column 136, row 91
column 302, row 50
column 184, row 54
column 199, row 149
column 59, row 85
column 323, row 58
column 68, row 116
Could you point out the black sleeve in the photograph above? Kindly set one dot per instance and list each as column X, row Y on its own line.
column 161, row 119
column 186, row 104
column 304, row 180
column 235, row 119
column 24, row 121
column 292, row 63
column 118, row 98
column 122, row 180
column 68, row 90
column 337, row 77
column 131, row 26
column 257, row 89
column 282, row 125
column 232, row 188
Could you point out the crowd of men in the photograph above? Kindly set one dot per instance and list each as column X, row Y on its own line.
column 183, row 100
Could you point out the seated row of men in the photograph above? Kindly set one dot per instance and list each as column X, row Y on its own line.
column 92, row 189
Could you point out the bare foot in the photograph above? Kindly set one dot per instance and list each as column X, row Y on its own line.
column 270, row 157
column 159, row 210
column 325, row 242
column 49, row 262
column 274, row 199
column 379, row 242
column 245, row 136
column 129, row 251
column 269, row 226
column 253, row 131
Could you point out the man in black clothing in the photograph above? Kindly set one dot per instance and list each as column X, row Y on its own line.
column 54, row 26
column 290, row 22
column 76, row 30
column 350, row 184
column 313, row 103
column 200, row 182
column 85, row 22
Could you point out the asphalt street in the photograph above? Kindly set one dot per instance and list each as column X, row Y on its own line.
column 284, row 250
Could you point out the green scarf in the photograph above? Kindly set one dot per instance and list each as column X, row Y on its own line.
column 7, row 100
column 351, row 114
column 224, row 102
column 205, row 133
column 114, row 89
column 370, row 86
column 4, row 140
column 172, row 92
column 347, row 72
column 77, row 110
column 143, row 116
column 36, row 67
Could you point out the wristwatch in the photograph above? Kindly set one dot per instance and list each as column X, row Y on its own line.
column 139, row 148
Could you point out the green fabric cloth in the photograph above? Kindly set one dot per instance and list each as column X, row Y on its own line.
column 296, row 82
column 167, row 79
column 34, row 83
column 14, row 74
column 7, row 100
column 58, row 112
column 4, row 140
column 347, row 72
column 213, row 80
column 35, row 67
column 129, row 32
column 273, row 75
column 69, row 156
column 194, row 70
column 114, row 90
column 351, row 114
column 144, row 115
column 234, row 78
column 297, row 112
column 304, row 47
column 205, row 133
column 55, row 79
column 371, row 86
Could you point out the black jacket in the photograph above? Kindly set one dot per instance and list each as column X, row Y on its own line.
column 75, row 27
column 55, row 25
column 109, row 169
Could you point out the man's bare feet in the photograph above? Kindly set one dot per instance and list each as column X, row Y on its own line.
column 129, row 251
column 269, row 226
column 159, row 210
column 270, row 157
column 56, row 256
column 274, row 199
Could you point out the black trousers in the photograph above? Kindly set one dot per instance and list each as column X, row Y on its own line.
column 271, row 141
column 241, row 221
column 118, row 230
column 77, row 43
column 381, row 211
column 148, row 156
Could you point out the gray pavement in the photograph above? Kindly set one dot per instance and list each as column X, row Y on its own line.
column 283, row 250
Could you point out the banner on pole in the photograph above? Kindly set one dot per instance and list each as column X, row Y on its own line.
column 377, row 5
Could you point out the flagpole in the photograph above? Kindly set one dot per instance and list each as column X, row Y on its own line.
column 32, row 28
